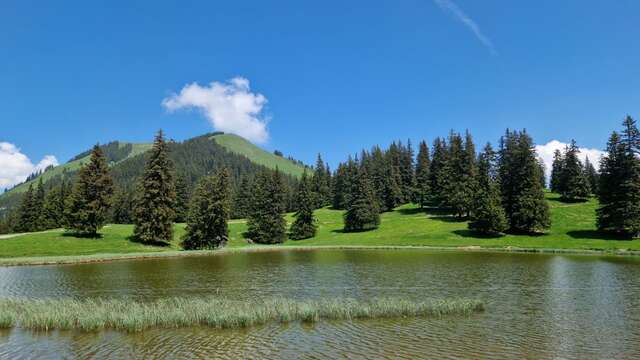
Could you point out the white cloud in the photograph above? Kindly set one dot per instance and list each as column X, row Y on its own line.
column 453, row 9
column 16, row 166
column 230, row 107
column 545, row 152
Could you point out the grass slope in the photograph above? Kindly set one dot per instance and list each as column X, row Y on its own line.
column 72, row 166
column 573, row 228
column 239, row 145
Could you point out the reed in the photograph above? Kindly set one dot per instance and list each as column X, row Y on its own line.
column 132, row 316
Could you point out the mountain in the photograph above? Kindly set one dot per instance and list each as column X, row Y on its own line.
column 193, row 158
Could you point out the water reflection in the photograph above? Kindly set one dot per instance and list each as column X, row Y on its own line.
column 538, row 306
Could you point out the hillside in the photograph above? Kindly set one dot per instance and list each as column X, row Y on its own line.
column 241, row 146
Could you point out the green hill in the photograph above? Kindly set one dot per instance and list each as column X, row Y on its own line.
column 257, row 155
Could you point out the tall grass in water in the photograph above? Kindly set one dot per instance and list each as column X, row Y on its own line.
column 91, row 315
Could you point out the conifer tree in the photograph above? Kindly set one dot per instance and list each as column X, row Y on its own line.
column 422, row 175
column 556, row 172
column 321, row 184
column 573, row 183
column 487, row 215
column 304, row 223
column 461, row 171
column 123, row 206
column 362, row 213
column 407, row 172
column 266, row 223
column 156, row 196
column 521, row 190
column 88, row 205
column 592, row 176
column 438, row 178
column 242, row 199
column 209, row 213
column 344, row 184
column 182, row 199
column 26, row 217
column 53, row 208
column 619, row 191
column 38, row 205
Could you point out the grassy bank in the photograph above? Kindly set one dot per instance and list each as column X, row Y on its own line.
column 91, row 315
column 573, row 230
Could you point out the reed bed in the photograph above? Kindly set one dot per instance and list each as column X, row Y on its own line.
column 133, row 316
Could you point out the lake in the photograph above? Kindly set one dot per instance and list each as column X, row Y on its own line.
column 537, row 306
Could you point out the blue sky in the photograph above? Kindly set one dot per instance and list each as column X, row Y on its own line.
column 335, row 76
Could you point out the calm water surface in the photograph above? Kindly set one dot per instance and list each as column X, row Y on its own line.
column 537, row 306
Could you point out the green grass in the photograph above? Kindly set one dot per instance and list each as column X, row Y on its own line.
column 126, row 315
column 573, row 229
column 239, row 145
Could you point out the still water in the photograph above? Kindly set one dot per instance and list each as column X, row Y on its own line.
column 537, row 306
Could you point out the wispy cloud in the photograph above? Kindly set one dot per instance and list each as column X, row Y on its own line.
column 451, row 7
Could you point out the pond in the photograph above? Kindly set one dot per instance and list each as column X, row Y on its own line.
column 537, row 306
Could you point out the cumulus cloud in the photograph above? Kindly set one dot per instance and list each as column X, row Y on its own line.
column 16, row 166
column 451, row 7
column 229, row 106
column 545, row 152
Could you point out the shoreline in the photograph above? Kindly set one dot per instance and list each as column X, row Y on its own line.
column 109, row 257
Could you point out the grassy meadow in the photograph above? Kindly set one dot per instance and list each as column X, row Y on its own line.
column 573, row 228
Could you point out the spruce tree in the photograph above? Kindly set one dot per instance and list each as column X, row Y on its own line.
column 619, row 187
column 460, row 171
column 242, row 199
column 182, row 199
column 522, row 193
column 487, row 215
column 123, row 205
column 592, row 176
column 156, row 196
column 407, row 172
column 266, row 223
column 88, row 205
column 38, row 206
column 391, row 191
column 573, row 183
column 362, row 213
column 304, row 223
column 438, row 178
column 556, row 172
column 321, row 184
column 26, row 217
column 53, row 209
column 209, row 213
column 422, row 175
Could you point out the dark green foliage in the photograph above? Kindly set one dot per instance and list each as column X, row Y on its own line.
column 438, row 178
column 123, row 205
column 573, row 183
column 556, row 172
column 542, row 171
column 362, row 213
column 156, row 196
column 242, row 199
column 38, row 205
column 422, row 175
column 304, row 223
column 460, row 171
column 321, row 182
column 26, row 213
column 521, row 190
column 88, row 205
column 487, row 215
column 53, row 209
column 344, row 182
column 266, row 223
column 209, row 212
column 407, row 173
column 113, row 151
column 182, row 199
column 592, row 176
column 619, row 187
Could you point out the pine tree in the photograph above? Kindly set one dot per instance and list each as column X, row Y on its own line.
column 156, row 196
column 123, row 207
column 592, row 176
column 422, row 175
column 304, row 224
column 321, row 184
column 38, row 205
column 53, row 208
column 26, row 217
column 88, row 205
column 556, row 171
column 619, row 190
column 438, row 178
column 460, row 171
column 391, row 191
column 209, row 213
column 521, row 190
column 362, row 213
column 407, row 173
column 266, row 223
column 573, row 183
column 344, row 184
column 487, row 215
column 182, row 199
